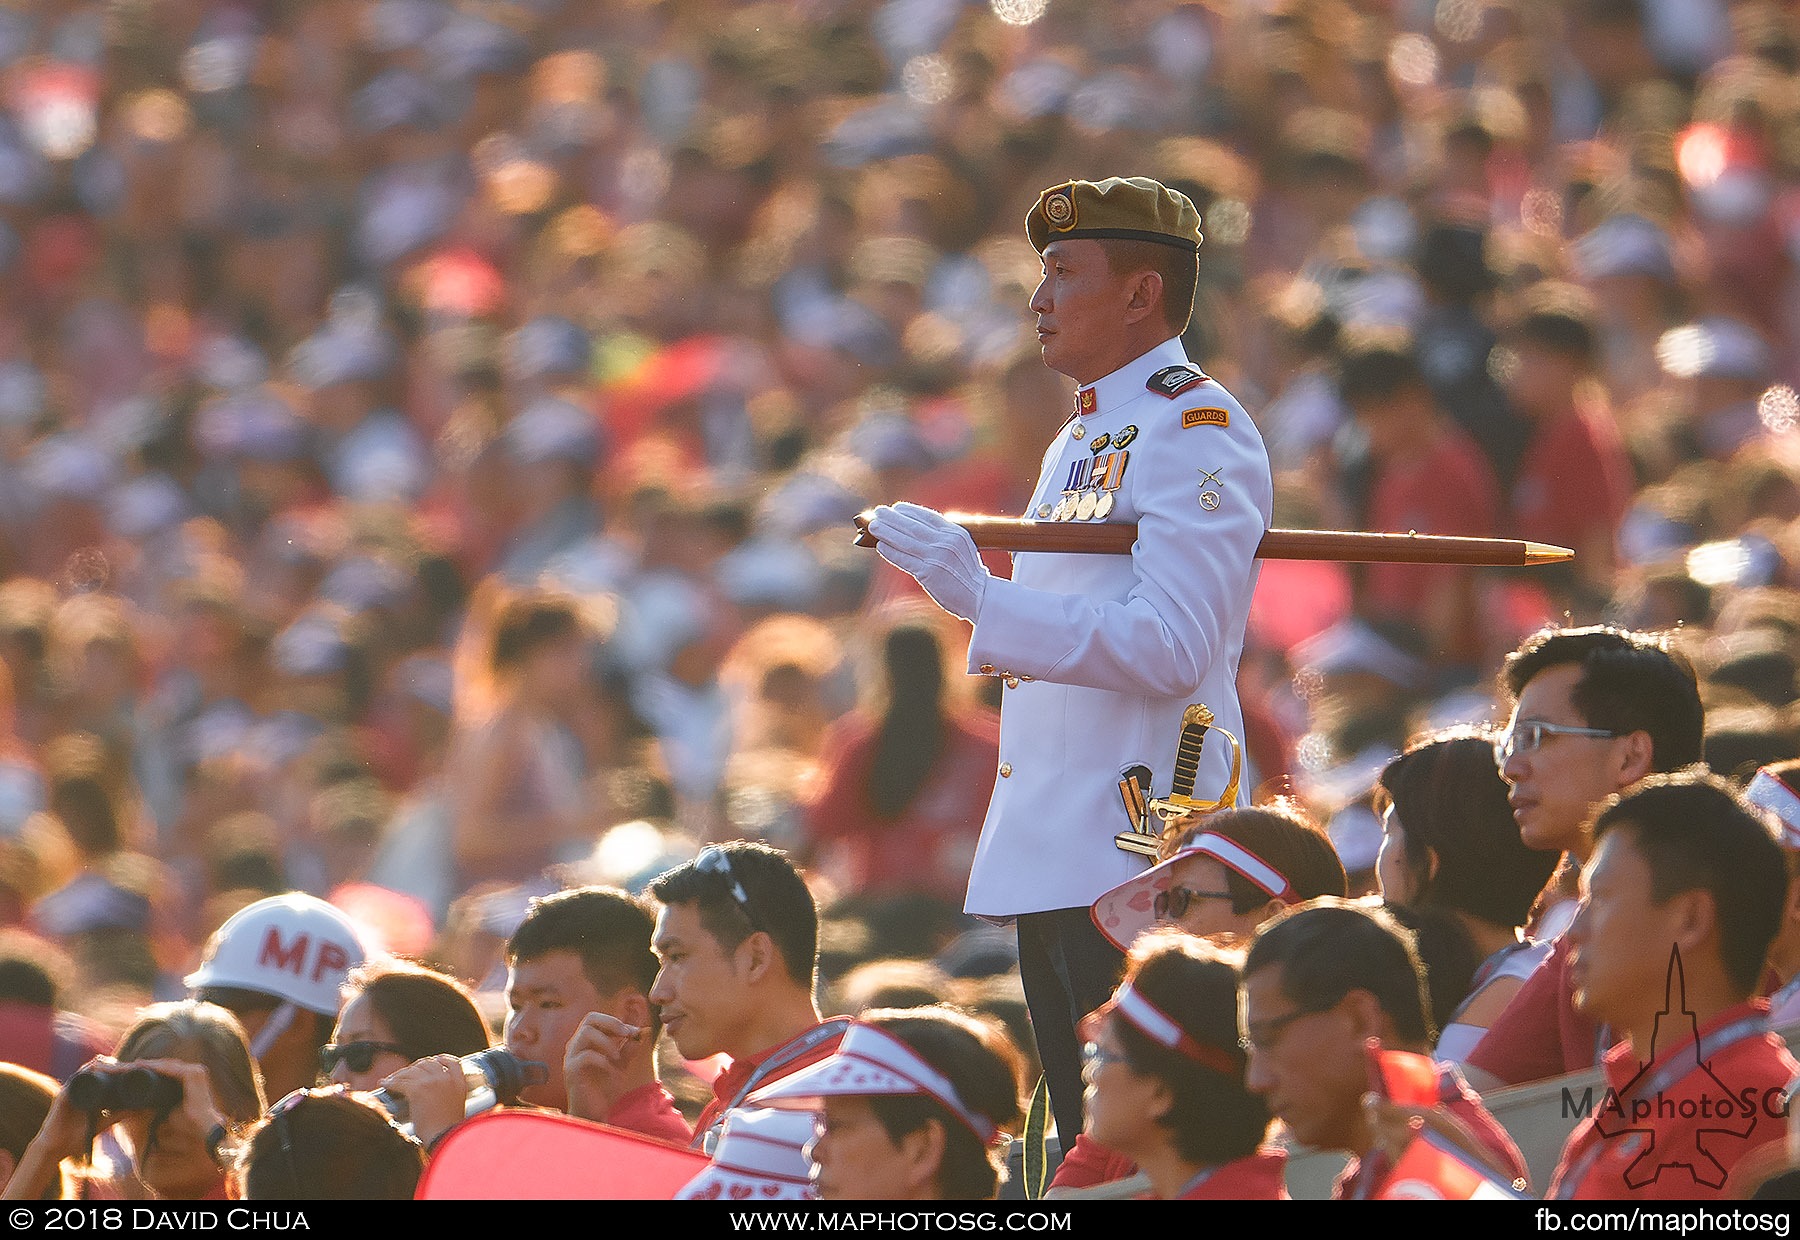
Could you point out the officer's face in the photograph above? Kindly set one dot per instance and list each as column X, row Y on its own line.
column 1081, row 307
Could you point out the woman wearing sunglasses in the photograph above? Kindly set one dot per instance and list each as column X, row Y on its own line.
column 396, row 1013
column 1165, row 1076
column 175, row 1150
column 1226, row 875
column 1222, row 878
column 913, row 1106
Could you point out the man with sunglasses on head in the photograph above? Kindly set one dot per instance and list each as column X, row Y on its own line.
column 1320, row 981
column 1595, row 710
column 737, row 937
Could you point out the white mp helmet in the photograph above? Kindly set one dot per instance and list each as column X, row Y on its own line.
column 295, row 947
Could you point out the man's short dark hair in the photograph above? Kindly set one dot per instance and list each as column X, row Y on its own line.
column 1328, row 947
column 1695, row 834
column 1561, row 318
column 1630, row 682
column 1374, row 366
column 1179, row 269
column 779, row 903
column 607, row 928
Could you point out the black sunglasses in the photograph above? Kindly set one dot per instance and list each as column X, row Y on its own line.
column 360, row 1056
column 1172, row 905
column 714, row 860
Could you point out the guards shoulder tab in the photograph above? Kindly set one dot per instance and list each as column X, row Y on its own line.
column 1172, row 381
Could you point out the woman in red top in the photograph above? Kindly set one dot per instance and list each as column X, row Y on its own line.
column 904, row 787
column 1165, row 1076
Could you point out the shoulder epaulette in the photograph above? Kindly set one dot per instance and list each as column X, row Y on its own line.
column 1172, row 381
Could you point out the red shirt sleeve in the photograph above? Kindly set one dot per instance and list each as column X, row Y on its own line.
column 1089, row 1163
column 840, row 806
column 651, row 1112
column 1525, row 1043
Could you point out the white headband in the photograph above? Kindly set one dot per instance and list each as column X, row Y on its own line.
column 1160, row 1028
column 1235, row 856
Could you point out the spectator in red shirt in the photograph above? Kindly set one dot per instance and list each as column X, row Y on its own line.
column 1575, row 480
column 1166, row 1076
column 1428, row 475
column 738, row 940
column 903, row 789
column 578, row 974
column 1596, row 710
column 1319, row 982
column 1680, row 901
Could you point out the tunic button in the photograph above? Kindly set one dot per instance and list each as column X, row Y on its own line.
column 987, row 669
column 1012, row 682
column 1043, row 511
column 1080, row 431
column 1006, row 770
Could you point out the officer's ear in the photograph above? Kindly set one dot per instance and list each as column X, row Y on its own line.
column 1146, row 296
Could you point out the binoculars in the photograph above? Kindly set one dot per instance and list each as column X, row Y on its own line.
column 134, row 1089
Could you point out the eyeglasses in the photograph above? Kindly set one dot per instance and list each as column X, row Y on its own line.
column 358, row 1056
column 1264, row 1039
column 714, row 860
column 1094, row 1056
column 1172, row 905
column 1526, row 735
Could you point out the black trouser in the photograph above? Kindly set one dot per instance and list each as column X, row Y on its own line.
column 1069, row 968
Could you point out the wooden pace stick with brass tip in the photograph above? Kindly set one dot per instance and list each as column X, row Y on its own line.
column 1116, row 538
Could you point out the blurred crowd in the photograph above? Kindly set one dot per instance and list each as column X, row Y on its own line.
column 429, row 429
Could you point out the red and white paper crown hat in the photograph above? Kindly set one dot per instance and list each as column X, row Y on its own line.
column 761, row 1157
column 871, row 1062
column 1131, row 1006
column 1129, row 909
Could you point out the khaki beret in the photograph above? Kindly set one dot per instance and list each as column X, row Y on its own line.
column 1116, row 209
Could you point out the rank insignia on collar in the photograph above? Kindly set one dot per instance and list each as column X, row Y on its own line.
column 1172, row 381
column 1211, row 416
column 1086, row 401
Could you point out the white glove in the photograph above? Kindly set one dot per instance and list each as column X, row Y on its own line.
column 938, row 553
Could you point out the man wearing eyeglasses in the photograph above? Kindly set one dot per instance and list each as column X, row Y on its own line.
column 737, row 938
column 1318, row 983
column 1596, row 710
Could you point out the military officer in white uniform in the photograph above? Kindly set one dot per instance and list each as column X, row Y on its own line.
column 1101, row 654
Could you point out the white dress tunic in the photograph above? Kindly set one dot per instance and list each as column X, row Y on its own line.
column 1100, row 654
